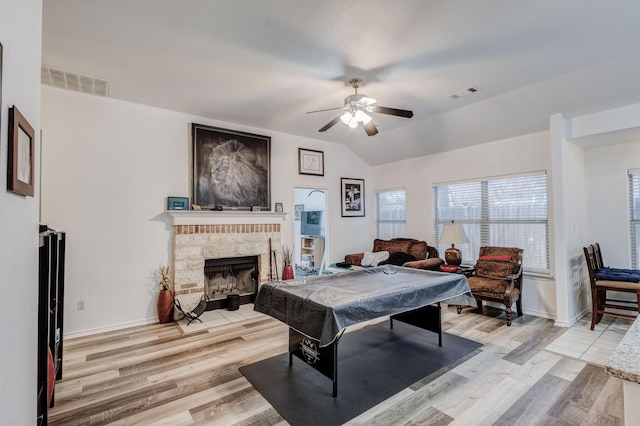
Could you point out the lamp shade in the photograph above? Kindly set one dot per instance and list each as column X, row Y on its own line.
column 453, row 233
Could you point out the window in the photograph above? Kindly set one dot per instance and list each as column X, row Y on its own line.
column 510, row 212
column 634, row 216
column 391, row 214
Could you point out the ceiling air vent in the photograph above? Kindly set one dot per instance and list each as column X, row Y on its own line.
column 73, row 81
column 464, row 92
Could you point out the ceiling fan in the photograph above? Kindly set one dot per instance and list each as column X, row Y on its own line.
column 357, row 109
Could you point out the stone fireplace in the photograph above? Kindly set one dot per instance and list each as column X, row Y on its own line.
column 208, row 235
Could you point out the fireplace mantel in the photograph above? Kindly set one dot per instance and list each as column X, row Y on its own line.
column 229, row 217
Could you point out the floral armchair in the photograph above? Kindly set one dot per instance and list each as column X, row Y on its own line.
column 497, row 277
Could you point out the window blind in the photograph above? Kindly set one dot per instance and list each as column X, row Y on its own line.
column 509, row 212
column 391, row 214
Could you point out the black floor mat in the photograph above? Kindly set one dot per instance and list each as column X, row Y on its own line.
column 374, row 364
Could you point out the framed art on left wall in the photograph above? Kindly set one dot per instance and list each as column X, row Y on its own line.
column 20, row 165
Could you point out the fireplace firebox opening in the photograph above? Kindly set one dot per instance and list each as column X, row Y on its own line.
column 230, row 276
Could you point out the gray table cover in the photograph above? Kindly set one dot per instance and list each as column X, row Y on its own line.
column 322, row 306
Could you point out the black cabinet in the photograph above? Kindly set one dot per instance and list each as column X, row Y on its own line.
column 50, row 314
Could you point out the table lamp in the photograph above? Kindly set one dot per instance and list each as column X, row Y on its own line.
column 453, row 234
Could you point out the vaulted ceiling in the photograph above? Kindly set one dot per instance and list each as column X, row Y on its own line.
column 265, row 63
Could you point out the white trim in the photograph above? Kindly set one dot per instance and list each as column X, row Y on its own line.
column 209, row 217
column 116, row 327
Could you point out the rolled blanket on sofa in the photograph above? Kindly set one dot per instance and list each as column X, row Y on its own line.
column 618, row 274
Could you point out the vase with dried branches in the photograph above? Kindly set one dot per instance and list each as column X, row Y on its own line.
column 165, row 296
column 287, row 257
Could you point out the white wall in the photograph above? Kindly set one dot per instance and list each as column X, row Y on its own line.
column 607, row 199
column 20, row 35
column 108, row 167
column 568, row 222
column 510, row 156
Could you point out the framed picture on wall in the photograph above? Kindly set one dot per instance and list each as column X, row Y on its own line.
column 177, row 203
column 298, row 209
column 231, row 169
column 310, row 162
column 352, row 197
column 21, row 153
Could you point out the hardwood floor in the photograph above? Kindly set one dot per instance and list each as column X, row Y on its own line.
column 156, row 374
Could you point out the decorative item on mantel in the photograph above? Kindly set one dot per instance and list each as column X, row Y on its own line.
column 287, row 271
column 165, row 297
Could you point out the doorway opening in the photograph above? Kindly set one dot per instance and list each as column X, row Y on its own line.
column 310, row 230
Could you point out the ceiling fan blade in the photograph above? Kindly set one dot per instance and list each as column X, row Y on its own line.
column 329, row 124
column 370, row 128
column 392, row 111
column 322, row 110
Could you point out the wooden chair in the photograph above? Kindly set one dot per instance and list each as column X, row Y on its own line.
column 598, row 255
column 600, row 300
column 497, row 277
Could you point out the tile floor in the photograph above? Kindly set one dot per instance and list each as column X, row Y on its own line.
column 595, row 346
column 219, row 317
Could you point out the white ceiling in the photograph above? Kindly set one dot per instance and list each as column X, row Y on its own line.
column 264, row 63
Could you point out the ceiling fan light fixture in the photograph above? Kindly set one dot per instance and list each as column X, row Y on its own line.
column 357, row 109
column 361, row 116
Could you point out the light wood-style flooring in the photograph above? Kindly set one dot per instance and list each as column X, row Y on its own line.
column 157, row 374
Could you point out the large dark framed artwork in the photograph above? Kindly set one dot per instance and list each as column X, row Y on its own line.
column 352, row 197
column 231, row 169
column 20, row 166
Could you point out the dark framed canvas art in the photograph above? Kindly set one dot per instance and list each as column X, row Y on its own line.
column 231, row 169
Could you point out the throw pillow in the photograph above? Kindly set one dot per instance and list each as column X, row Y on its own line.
column 398, row 258
column 374, row 258
column 494, row 269
column 506, row 258
column 419, row 250
column 391, row 246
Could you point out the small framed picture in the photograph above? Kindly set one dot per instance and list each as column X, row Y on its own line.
column 352, row 197
column 298, row 209
column 279, row 208
column 177, row 203
column 310, row 162
column 20, row 166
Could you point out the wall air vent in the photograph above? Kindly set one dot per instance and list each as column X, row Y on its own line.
column 464, row 92
column 73, row 81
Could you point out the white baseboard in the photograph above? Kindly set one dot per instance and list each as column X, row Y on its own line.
column 91, row 331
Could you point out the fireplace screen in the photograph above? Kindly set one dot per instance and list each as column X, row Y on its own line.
column 231, row 275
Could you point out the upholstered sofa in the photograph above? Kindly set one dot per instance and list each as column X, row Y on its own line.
column 426, row 256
